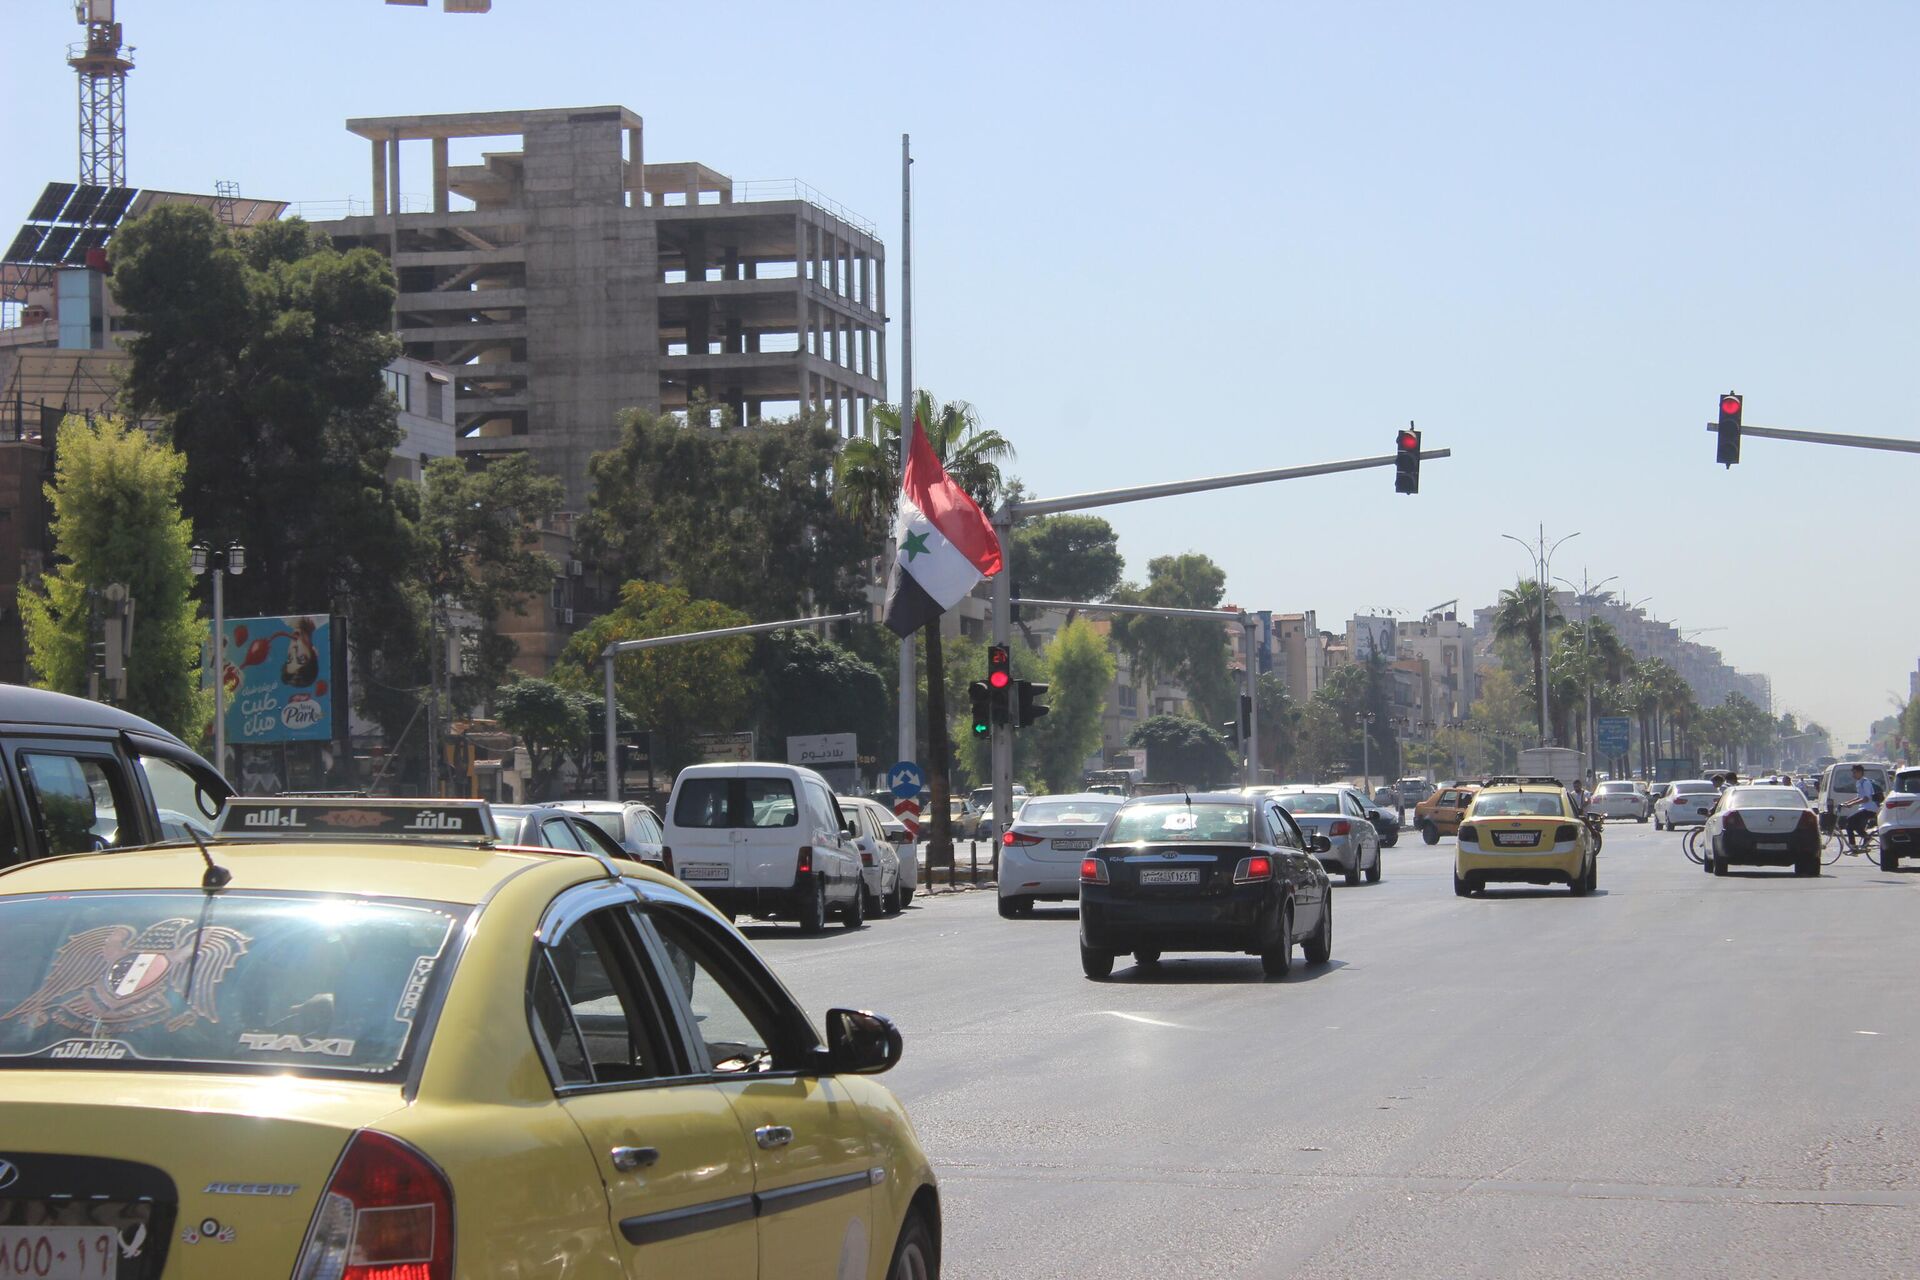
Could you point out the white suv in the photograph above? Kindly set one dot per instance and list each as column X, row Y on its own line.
column 1900, row 819
column 765, row 840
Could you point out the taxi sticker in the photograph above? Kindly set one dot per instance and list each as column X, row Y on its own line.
column 1180, row 821
column 274, row 1042
column 209, row 1230
column 116, row 978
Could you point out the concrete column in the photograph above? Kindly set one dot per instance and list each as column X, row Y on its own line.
column 881, row 295
column 379, row 176
column 393, row 172
column 636, row 165
column 440, row 198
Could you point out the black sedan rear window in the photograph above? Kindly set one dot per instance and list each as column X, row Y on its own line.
column 296, row 983
column 1159, row 823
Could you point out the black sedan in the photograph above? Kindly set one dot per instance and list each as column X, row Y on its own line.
column 1226, row 872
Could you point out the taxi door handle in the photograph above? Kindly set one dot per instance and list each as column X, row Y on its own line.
column 770, row 1136
column 628, row 1159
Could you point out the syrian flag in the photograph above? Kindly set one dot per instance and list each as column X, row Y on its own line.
column 945, row 545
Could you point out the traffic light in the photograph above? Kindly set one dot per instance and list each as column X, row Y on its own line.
column 982, row 699
column 1028, row 706
column 1242, row 729
column 1406, row 461
column 1729, row 429
column 999, row 680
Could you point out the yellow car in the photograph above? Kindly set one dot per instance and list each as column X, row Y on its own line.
column 1524, row 830
column 357, row 1040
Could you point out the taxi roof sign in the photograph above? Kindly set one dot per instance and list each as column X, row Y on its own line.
column 338, row 818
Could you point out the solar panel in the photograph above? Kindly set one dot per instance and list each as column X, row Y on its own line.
column 23, row 245
column 89, row 239
column 114, row 206
column 48, row 207
column 54, row 248
column 86, row 198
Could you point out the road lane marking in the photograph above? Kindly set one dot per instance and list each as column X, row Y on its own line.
column 1141, row 1017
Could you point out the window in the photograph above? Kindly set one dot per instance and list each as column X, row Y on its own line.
column 401, row 386
column 181, row 799
column 593, row 1018
column 436, row 400
column 740, row 1032
column 1158, row 823
column 1129, row 700
column 736, row 802
column 10, row 851
column 1285, row 834
column 75, row 802
column 558, row 833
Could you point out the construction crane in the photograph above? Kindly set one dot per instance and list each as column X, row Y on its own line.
column 450, row 6
column 102, row 62
column 1691, row 632
column 1444, row 604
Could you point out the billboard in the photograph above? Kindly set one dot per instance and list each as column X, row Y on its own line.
column 278, row 679
column 1371, row 637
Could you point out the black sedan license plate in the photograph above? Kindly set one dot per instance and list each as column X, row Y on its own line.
column 1170, row 875
column 1516, row 839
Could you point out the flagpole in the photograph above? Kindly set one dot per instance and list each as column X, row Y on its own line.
column 909, row 690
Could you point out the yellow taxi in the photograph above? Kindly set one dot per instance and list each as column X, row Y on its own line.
column 353, row 1040
column 1524, row 830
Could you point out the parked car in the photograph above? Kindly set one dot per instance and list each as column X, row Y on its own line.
column 1763, row 826
column 907, row 846
column 1208, row 872
column 766, row 840
column 1440, row 813
column 473, row 1061
column 1900, row 820
column 87, row 776
column 1041, row 852
column 1524, row 831
column 1339, row 814
column 1686, row 803
column 632, row 824
column 879, row 859
column 540, row 826
column 1619, row 800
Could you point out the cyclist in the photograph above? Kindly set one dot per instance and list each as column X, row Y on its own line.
column 1865, row 805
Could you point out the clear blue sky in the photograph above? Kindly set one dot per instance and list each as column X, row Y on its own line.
column 1159, row 241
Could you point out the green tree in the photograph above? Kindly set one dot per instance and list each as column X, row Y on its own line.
column 1067, row 557
column 551, row 722
column 675, row 690
column 1332, row 726
column 745, row 515
column 480, row 547
column 1504, row 718
column 116, row 518
column 1192, row 652
column 867, row 489
column 1183, row 750
column 810, row 685
column 260, row 353
column 1079, row 672
column 1280, row 724
column 1516, row 616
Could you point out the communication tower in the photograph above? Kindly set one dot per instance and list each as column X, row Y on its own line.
column 102, row 63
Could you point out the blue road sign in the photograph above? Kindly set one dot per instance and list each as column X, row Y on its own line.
column 906, row 780
column 1612, row 734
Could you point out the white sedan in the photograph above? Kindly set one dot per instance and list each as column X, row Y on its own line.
column 1619, row 800
column 1763, row 826
column 1041, row 852
column 1686, row 804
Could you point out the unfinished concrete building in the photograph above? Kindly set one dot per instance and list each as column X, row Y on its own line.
column 584, row 281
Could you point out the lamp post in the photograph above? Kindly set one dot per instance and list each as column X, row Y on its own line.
column 1366, row 719
column 1542, row 556
column 1585, row 593
column 220, row 561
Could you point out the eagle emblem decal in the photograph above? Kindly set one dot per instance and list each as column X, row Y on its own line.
column 115, row 978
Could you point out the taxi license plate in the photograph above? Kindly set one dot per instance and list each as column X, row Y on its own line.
column 1773, row 846
column 59, row 1253
column 1516, row 839
column 1073, row 846
column 1170, row 875
column 704, row 871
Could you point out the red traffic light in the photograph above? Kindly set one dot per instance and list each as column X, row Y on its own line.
column 999, row 679
column 1730, row 406
column 1408, row 440
column 999, row 666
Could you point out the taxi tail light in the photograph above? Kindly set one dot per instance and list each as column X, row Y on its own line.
column 1093, row 871
column 1254, row 869
column 1468, row 835
column 1565, row 832
column 1020, row 838
column 1733, row 822
column 386, row 1214
column 1340, row 828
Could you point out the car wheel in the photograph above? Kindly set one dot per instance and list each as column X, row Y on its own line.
column 1719, row 861
column 1429, row 833
column 1641, row 819
column 1146, row 957
column 1578, row 884
column 894, row 902
column 1378, row 869
column 906, row 895
column 1013, row 908
column 1319, row 948
column 915, row 1257
column 1807, row 867
column 1390, row 839
column 1889, row 860
column 1095, row 964
column 1461, row 889
column 1593, row 876
column 1353, row 869
column 813, row 909
column 1277, row 961
column 855, row 913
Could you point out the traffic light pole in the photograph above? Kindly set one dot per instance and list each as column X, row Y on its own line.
column 1887, row 443
column 1007, row 513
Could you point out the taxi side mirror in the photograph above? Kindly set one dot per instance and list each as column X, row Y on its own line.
column 861, row 1043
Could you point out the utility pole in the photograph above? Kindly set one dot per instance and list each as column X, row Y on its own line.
column 1542, row 557
column 909, row 686
column 1586, row 592
column 219, row 561
column 1366, row 719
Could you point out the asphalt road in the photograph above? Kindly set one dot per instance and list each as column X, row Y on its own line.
column 1680, row 1076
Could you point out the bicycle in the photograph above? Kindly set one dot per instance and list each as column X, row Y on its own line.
column 1691, row 844
column 1842, row 840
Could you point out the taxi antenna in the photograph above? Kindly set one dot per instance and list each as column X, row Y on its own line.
column 217, row 876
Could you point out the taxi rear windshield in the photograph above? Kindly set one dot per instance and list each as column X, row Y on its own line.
column 1158, row 823
column 291, row 983
column 1519, row 804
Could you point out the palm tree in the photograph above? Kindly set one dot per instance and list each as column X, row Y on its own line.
column 1517, row 616
column 867, row 488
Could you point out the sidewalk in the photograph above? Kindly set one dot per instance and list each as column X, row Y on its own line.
column 963, row 876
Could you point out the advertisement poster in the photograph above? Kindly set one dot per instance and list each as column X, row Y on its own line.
column 1371, row 638
column 277, row 679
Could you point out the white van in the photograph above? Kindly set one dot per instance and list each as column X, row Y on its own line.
column 1836, row 788
column 765, row 840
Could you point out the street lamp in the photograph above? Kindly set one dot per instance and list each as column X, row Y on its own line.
column 220, row 561
column 1586, row 594
column 1366, row 719
column 1542, row 557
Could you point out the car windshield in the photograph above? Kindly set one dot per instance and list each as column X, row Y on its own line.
column 295, row 982
column 1300, row 802
column 1159, row 823
column 1083, row 811
column 1766, row 798
column 1520, row 804
column 1692, row 788
column 1907, row 780
column 1614, row 789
